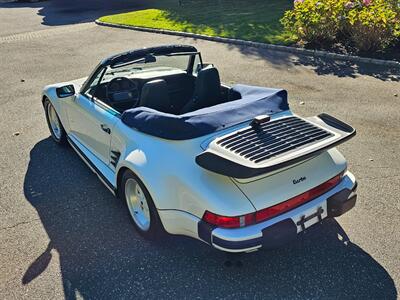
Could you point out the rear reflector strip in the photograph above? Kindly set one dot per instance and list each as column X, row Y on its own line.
column 273, row 211
column 296, row 201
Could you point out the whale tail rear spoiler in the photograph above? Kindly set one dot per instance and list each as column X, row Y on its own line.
column 265, row 146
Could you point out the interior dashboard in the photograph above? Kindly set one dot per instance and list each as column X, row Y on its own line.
column 122, row 93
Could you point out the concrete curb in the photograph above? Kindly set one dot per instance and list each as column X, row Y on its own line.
column 315, row 53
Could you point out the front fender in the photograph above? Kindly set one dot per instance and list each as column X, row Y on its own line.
column 50, row 93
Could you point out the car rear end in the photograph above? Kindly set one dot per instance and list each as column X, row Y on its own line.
column 290, row 171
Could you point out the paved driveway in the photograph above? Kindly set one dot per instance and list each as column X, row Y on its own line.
column 25, row 17
column 63, row 235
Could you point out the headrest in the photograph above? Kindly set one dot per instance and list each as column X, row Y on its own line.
column 208, row 85
column 155, row 95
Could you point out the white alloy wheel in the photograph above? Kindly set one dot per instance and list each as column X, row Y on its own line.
column 137, row 204
column 54, row 121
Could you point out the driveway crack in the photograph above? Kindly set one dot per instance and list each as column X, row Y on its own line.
column 19, row 223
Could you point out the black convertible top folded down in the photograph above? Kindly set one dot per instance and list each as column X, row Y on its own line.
column 254, row 101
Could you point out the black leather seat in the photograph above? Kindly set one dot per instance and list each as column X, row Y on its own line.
column 207, row 90
column 155, row 95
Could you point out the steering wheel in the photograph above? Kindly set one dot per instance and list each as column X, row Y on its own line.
column 122, row 89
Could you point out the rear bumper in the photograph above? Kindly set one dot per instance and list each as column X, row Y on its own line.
column 284, row 228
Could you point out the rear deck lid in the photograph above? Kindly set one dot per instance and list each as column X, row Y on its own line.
column 274, row 188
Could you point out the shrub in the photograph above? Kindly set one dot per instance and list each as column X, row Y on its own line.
column 369, row 25
column 373, row 25
column 314, row 21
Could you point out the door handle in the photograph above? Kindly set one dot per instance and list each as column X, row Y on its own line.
column 105, row 128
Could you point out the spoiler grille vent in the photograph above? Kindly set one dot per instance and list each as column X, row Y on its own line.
column 273, row 138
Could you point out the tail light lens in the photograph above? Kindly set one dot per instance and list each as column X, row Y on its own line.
column 273, row 211
column 229, row 222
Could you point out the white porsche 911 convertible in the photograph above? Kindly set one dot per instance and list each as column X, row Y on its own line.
column 230, row 166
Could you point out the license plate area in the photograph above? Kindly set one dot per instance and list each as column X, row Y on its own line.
column 304, row 219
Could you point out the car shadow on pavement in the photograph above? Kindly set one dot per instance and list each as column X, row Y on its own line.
column 64, row 12
column 101, row 256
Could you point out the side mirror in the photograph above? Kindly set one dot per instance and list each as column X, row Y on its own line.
column 65, row 91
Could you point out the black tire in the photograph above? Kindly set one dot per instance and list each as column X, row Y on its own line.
column 156, row 229
column 61, row 137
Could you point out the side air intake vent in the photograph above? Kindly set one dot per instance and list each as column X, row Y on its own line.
column 114, row 158
column 270, row 139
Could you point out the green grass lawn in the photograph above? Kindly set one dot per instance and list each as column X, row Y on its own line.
column 254, row 20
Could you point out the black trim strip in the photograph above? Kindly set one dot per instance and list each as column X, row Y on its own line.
column 92, row 165
column 279, row 234
column 115, row 155
column 223, row 166
column 336, row 123
column 236, row 245
column 341, row 202
column 273, row 236
column 204, row 230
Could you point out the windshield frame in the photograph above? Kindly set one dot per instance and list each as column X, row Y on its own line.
column 102, row 68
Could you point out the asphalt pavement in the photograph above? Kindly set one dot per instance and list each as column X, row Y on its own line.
column 63, row 235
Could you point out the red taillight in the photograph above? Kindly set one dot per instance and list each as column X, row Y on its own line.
column 298, row 200
column 273, row 211
column 228, row 222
